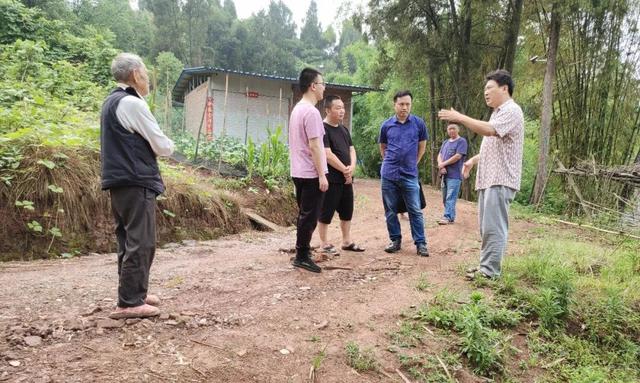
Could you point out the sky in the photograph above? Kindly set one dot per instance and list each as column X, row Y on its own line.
column 326, row 9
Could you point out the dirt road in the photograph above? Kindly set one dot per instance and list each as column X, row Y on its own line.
column 234, row 309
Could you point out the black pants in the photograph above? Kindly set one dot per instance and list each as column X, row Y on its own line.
column 134, row 210
column 309, row 198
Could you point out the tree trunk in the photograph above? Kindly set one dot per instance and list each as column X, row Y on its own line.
column 511, row 37
column 547, row 108
column 434, row 122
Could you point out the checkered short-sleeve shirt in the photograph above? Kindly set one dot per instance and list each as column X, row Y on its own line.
column 501, row 155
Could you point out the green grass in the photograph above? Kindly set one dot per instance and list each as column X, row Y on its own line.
column 360, row 360
column 423, row 283
column 577, row 296
column 429, row 368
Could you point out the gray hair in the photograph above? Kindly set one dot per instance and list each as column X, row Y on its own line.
column 124, row 64
column 455, row 126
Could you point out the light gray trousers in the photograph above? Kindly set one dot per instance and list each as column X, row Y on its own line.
column 493, row 214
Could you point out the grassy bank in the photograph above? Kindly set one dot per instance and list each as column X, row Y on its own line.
column 52, row 204
column 567, row 308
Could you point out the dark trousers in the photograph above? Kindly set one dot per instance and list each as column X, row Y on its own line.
column 134, row 210
column 309, row 198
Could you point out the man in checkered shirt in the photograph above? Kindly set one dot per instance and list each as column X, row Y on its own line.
column 499, row 167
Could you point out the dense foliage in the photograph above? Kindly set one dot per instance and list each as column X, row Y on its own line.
column 51, row 90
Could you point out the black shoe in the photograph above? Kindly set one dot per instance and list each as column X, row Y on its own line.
column 307, row 264
column 422, row 250
column 393, row 246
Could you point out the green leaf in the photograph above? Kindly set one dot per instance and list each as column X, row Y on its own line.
column 67, row 255
column 61, row 156
column 55, row 189
column 27, row 205
column 35, row 226
column 38, row 100
column 47, row 163
column 54, row 231
column 167, row 212
column 6, row 180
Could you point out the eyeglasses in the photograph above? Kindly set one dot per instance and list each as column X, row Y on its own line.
column 320, row 83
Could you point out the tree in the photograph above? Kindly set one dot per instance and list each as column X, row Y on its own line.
column 167, row 70
column 547, row 105
column 230, row 8
column 170, row 28
column 55, row 9
column 511, row 35
column 134, row 30
column 453, row 43
column 273, row 45
column 312, row 40
column 311, row 33
column 597, row 91
column 199, row 15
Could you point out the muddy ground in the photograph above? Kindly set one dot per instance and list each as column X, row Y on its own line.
column 234, row 309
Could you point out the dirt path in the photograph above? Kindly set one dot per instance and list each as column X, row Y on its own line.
column 233, row 306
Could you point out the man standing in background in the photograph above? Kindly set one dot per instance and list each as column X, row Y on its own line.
column 450, row 159
column 130, row 141
column 308, row 163
column 403, row 141
column 341, row 158
column 499, row 167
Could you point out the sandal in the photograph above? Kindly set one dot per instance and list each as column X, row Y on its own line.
column 353, row 247
column 330, row 250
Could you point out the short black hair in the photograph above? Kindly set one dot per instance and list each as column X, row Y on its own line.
column 402, row 93
column 307, row 77
column 329, row 99
column 502, row 77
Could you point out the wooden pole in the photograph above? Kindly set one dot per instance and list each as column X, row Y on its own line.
column 184, row 117
column 246, row 122
column 204, row 112
column 224, row 113
column 280, row 106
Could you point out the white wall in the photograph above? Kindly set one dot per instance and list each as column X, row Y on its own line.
column 249, row 116
column 194, row 103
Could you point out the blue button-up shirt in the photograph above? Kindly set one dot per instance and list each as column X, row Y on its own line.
column 401, row 154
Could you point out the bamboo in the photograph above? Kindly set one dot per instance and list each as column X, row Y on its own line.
column 547, row 106
column 573, row 185
column 597, row 228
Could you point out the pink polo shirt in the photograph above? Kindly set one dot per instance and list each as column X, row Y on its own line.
column 305, row 123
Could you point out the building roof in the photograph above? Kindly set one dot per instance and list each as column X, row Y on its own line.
column 180, row 89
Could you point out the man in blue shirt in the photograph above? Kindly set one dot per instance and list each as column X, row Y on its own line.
column 403, row 140
column 450, row 160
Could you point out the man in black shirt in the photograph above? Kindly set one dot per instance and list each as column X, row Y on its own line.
column 341, row 158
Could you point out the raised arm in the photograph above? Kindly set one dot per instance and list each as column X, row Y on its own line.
column 482, row 128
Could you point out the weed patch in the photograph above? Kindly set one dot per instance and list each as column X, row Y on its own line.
column 360, row 360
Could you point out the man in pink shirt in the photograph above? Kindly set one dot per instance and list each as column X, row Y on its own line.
column 499, row 167
column 308, row 163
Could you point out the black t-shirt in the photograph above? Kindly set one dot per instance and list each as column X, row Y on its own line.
column 339, row 140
